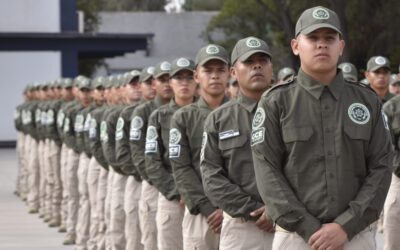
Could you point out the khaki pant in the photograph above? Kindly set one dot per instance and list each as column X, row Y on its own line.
column 83, row 222
column 92, row 182
column 48, row 177
column 42, row 180
column 34, row 175
column 107, row 207
column 237, row 233
column 131, row 208
column 117, row 213
column 73, row 193
column 55, row 181
column 391, row 222
column 147, row 215
column 21, row 172
column 169, row 224
column 285, row 240
column 25, row 162
column 63, row 176
column 197, row 234
column 101, row 205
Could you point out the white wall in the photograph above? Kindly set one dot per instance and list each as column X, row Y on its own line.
column 30, row 15
column 17, row 69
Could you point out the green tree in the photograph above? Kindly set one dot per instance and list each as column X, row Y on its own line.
column 369, row 27
column 203, row 5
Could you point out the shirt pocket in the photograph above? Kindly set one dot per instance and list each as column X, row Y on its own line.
column 297, row 134
column 233, row 142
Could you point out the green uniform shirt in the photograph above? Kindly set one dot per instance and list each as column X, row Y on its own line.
column 321, row 155
column 392, row 111
column 226, row 162
column 28, row 120
column 69, row 125
column 185, row 156
column 51, row 123
column 122, row 148
column 107, row 135
column 18, row 117
column 138, row 131
column 387, row 97
column 61, row 118
column 94, row 135
column 158, row 166
column 79, row 128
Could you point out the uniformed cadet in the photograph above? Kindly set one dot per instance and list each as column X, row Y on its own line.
column 226, row 163
column 394, row 84
column 202, row 220
column 391, row 225
column 170, row 209
column 70, row 129
column 54, row 185
column 349, row 71
column 321, row 147
column 378, row 75
column 285, row 73
column 134, row 97
column 158, row 76
column 233, row 89
column 81, row 128
column 68, row 100
column 114, row 237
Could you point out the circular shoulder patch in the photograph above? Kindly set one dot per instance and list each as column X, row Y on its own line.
column 359, row 113
column 165, row 66
column 253, row 42
column 183, row 62
column 320, row 13
column 151, row 134
column 346, row 68
column 212, row 49
column 380, row 60
column 137, row 122
column 120, row 124
column 259, row 118
column 103, row 127
column 174, row 136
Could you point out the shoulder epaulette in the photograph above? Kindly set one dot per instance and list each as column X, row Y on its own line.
column 359, row 84
column 290, row 80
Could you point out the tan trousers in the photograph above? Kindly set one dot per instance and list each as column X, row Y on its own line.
column 34, row 174
column 48, row 176
column 42, row 179
column 131, row 208
column 107, row 208
column 55, row 181
column 20, row 165
column 25, row 162
column 147, row 215
column 197, row 234
column 391, row 222
column 73, row 193
column 169, row 224
column 92, row 182
column 101, row 205
column 117, row 213
column 284, row 240
column 63, row 176
column 83, row 222
column 237, row 233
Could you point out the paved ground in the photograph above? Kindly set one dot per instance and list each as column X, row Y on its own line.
column 20, row 230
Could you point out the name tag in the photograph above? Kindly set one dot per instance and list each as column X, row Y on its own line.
column 174, row 151
column 228, row 134
column 151, row 147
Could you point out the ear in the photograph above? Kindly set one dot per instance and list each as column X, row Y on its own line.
column 233, row 72
column 366, row 74
column 294, row 43
column 196, row 75
column 342, row 45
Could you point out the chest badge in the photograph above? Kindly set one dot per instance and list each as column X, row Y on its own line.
column 359, row 113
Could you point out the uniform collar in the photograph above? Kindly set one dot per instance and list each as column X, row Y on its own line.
column 248, row 103
column 316, row 88
column 201, row 103
column 387, row 97
column 157, row 101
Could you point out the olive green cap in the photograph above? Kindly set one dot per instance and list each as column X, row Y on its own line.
column 84, row 83
column 44, row 86
column 247, row 47
column 99, row 82
column 394, row 79
column 146, row 74
column 285, row 72
column 161, row 69
column 317, row 18
column 67, row 82
column 36, row 86
column 377, row 62
column 180, row 64
column 211, row 52
column 349, row 71
column 132, row 75
column 77, row 80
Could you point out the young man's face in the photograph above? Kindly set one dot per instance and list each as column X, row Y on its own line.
column 394, row 88
column 378, row 79
column 161, row 85
column 183, row 84
column 133, row 92
column 213, row 77
column 98, row 94
column 147, row 90
column 319, row 51
column 254, row 74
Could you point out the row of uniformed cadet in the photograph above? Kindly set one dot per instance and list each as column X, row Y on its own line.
column 162, row 160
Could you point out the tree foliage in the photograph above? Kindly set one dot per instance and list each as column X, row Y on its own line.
column 369, row 27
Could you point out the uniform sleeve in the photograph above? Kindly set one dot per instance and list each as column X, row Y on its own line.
column 155, row 169
column 188, row 181
column 268, row 155
column 95, row 143
column 217, row 185
column 368, row 203
column 138, row 141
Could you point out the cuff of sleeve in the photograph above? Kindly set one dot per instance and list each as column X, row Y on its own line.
column 303, row 224
column 206, row 209
column 252, row 218
column 345, row 220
